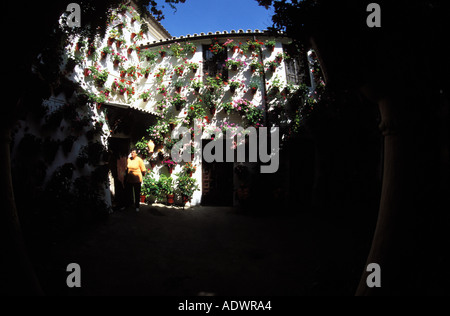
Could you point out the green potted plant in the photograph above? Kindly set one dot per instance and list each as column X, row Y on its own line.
column 178, row 102
column 193, row 67
column 166, row 187
column 272, row 65
column 196, row 85
column 145, row 95
column 234, row 64
column 256, row 66
column 149, row 56
column 216, row 48
column 234, row 85
column 196, row 111
column 160, row 74
column 105, row 51
column 254, row 86
column 146, row 72
column 187, row 186
column 179, row 70
column 119, row 42
column 270, row 45
column 169, row 163
column 189, row 169
column 170, row 143
column 178, row 84
column 142, row 147
column 214, row 83
column 150, row 188
column 190, row 48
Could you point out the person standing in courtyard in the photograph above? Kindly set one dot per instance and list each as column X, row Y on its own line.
column 134, row 176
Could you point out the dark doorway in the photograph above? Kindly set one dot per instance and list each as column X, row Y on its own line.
column 217, row 183
column 119, row 150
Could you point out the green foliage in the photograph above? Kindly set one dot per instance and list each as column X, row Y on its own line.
column 150, row 186
column 142, row 147
column 196, row 111
column 187, row 186
column 165, row 185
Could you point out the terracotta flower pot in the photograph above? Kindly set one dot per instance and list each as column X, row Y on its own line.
column 133, row 35
column 110, row 41
column 186, row 199
column 170, row 199
column 129, row 51
column 143, row 198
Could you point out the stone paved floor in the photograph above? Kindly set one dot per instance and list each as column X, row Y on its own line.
column 205, row 250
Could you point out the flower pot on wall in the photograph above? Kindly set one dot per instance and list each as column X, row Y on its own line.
column 213, row 110
column 110, row 41
column 143, row 199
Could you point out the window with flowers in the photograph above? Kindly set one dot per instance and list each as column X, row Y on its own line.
column 214, row 62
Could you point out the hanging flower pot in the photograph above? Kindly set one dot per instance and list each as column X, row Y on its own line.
column 116, row 63
column 273, row 68
column 235, row 49
column 170, row 199
column 133, row 35
column 104, row 55
column 118, row 44
column 253, row 90
column 129, row 51
column 110, row 41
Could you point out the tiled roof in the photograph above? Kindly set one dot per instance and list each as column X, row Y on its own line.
column 211, row 34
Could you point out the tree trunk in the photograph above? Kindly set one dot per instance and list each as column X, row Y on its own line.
column 18, row 270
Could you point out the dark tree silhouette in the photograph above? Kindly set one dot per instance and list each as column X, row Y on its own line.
column 403, row 68
column 34, row 47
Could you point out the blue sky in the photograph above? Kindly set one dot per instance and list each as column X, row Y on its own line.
column 196, row 16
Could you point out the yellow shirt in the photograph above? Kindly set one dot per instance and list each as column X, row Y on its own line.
column 135, row 169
